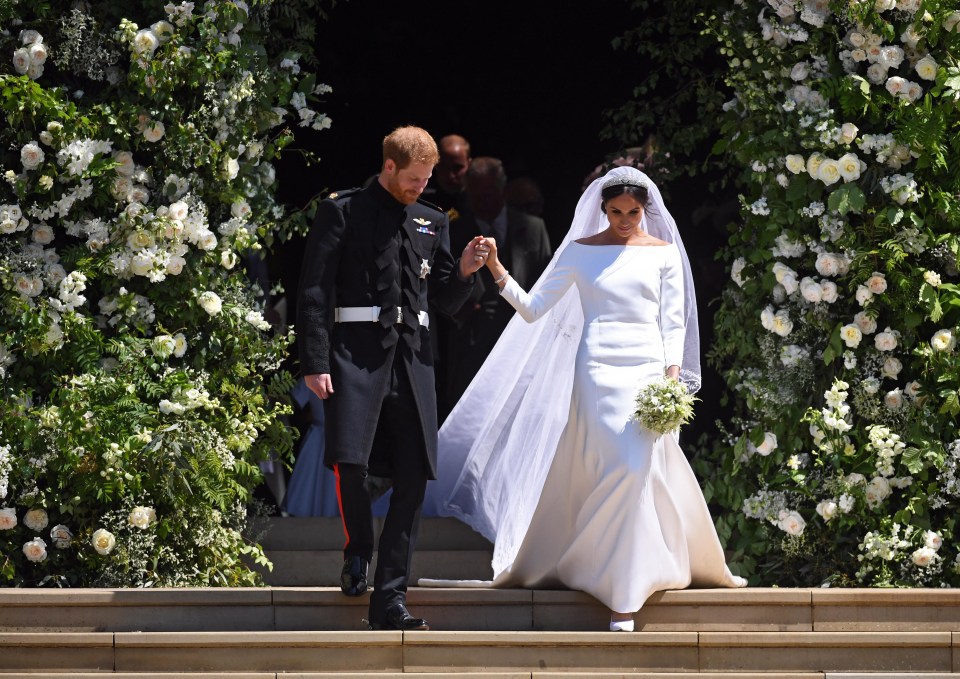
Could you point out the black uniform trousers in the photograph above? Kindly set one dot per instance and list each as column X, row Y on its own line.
column 398, row 451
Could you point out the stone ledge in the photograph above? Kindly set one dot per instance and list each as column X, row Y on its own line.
column 256, row 639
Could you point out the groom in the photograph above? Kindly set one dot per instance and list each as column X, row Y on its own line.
column 375, row 260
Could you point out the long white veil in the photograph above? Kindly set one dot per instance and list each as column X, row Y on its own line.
column 497, row 444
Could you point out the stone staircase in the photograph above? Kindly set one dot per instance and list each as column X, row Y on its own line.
column 281, row 632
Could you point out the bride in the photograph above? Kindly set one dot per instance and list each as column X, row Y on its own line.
column 541, row 454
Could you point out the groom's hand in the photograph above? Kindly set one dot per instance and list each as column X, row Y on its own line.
column 320, row 384
column 474, row 257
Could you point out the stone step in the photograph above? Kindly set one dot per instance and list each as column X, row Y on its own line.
column 326, row 609
column 481, row 652
column 308, row 551
column 477, row 675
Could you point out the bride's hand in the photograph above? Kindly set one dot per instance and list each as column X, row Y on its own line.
column 673, row 372
column 488, row 245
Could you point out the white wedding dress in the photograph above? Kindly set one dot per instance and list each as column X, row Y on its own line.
column 621, row 514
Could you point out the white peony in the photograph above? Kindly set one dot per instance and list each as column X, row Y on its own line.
column 943, row 340
column 103, row 541
column 35, row 550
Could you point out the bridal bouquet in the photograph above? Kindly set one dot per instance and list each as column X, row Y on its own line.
column 664, row 405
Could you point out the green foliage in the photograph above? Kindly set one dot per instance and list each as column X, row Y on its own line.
column 837, row 334
column 141, row 382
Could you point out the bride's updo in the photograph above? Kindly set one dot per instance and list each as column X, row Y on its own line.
column 618, row 186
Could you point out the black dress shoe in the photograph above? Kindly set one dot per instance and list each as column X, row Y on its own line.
column 398, row 617
column 353, row 577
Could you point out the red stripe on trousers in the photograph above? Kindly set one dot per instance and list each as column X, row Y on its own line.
column 336, row 472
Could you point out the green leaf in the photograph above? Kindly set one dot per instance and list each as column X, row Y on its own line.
column 911, row 460
column 848, row 198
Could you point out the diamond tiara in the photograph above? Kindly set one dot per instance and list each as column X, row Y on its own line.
column 624, row 180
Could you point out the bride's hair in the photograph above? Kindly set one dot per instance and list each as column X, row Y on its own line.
column 637, row 191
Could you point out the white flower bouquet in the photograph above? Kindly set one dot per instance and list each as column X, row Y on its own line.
column 664, row 405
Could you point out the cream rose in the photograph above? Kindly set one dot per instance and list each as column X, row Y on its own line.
column 32, row 156
column 877, row 490
column 863, row 295
column 179, row 345
column 8, row 518
column 828, row 291
column 103, row 541
column 210, row 302
column 877, row 283
column 848, row 132
column 768, row 445
column 926, row 68
column 154, row 131
column 829, row 172
column 891, row 367
column 35, row 550
column 885, row 341
column 849, row 167
column 813, row 164
column 923, row 557
column 142, row 517
column 791, row 523
column 943, row 340
column 62, row 536
column 851, row 336
column 932, row 540
column 827, row 509
column 893, row 399
column 865, row 322
column 36, row 519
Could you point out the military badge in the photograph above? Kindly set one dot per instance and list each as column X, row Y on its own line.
column 421, row 221
column 424, row 268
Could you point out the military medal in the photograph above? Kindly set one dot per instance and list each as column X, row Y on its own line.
column 424, row 268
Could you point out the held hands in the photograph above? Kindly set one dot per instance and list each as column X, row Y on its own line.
column 320, row 384
column 673, row 372
column 474, row 257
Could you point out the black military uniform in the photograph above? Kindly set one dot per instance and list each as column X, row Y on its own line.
column 370, row 266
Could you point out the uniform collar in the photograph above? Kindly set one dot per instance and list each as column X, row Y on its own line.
column 384, row 198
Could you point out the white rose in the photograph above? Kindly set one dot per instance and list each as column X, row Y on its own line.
column 145, row 42
column 876, row 74
column 21, row 60
column 36, row 519
column 896, row 85
column 863, row 295
column 913, row 91
column 125, row 165
column 142, row 517
column 38, row 54
column 829, row 172
column 848, row 132
column 924, row 556
column 795, row 163
column 35, row 550
column 866, row 324
column 179, row 345
column 932, row 540
column 884, row 5
column 240, row 209
column 811, row 290
column 782, row 325
column 877, row 283
column 877, row 491
column 858, row 55
column 154, row 131
column 950, row 23
column 891, row 367
column 856, row 39
column 885, row 341
column 828, row 291
column 178, row 211
column 851, row 336
column 800, row 71
column 8, row 518
column 813, row 164
column 827, row 509
column 228, row 259
column 912, row 389
column 62, row 536
column 163, row 346
column 42, row 234
column 231, row 168
column 791, row 523
column 893, row 399
column 103, row 541
column 768, row 445
column 926, row 68
column 943, row 340
column 736, row 270
column 32, row 156
column 827, row 264
column 210, row 302
column 766, row 318
column 175, row 265
column 163, row 30
column 849, row 167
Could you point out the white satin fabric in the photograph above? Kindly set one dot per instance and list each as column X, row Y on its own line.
column 620, row 514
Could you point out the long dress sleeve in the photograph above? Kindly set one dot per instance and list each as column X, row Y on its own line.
column 532, row 306
column 672, row 322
